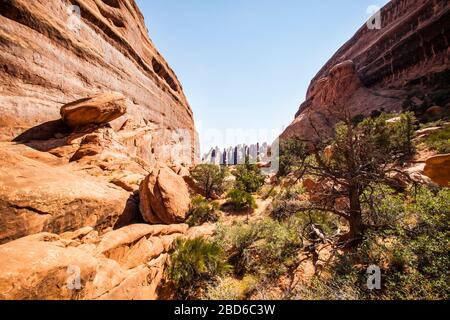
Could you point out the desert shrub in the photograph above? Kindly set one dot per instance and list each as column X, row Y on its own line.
column 440, row 140
column 249, row 178
column 267, row 192
column 391, row 138
column 413, row 253
column 240, row 200
column 286, row 204
column 430, row 240
column 194, row 263
column 418, row 257
column 383, row 207
column 278, row 249
column 336, row 289
column 202, row 211
column 228, row 288
column 237, row 240
column 266, row 248
column 210, row 178
column 292, row 154
column 283, row 209
column 402, row 134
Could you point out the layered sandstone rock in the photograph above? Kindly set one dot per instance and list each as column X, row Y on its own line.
column 382, row 69
column 38, row 193
column 92, row 108
column 124, row 264
column 164, row 197
column 437, row 168
column 49, row 57
column 99, row 109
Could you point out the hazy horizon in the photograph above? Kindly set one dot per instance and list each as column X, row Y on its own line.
column 245, row 66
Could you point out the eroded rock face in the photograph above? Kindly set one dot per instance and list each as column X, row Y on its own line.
column 381, row 69
column 49, row 57
column 99, row 109
column 69, row 202
column 164, row 197
column 38, row 193
column 123, row 264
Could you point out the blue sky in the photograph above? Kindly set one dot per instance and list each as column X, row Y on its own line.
column 245, row 65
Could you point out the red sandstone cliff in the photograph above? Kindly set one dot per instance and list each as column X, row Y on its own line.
column 92, row 109
column 406, row 63
column 47, row 61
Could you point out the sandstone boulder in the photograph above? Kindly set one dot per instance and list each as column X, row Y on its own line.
column 416, row 174
column 438, row 169
column 37, row 269
column 128, row 181
column 124, row 264
column 37, row 196
column 46, row 62
column 98, row 109
column 435, row 111
column 164, row 197
column 423, row 133
column 206, row 230
column 133, row 233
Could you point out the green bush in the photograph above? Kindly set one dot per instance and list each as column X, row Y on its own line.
column 210, row 178
column 249, row 178
column 292, row 152
column 286, row 204
column 194, row 263
column 202, row 211
column 413, row 253
column 386, row 208
column 241, row 200
column 402, row 134
column 440, row 140
column 264, row 248
column 391, row 138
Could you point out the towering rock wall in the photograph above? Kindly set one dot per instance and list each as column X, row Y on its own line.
column 88, row 109
column 53, row 52
column 382, row 68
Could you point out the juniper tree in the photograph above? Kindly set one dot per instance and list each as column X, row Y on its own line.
column 357, row 159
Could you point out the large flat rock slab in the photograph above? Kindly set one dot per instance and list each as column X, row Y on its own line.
column 37, row 196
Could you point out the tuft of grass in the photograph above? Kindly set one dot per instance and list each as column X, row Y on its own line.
column 202, row 211
column 195, row 262
column 241, row 200
column 229, row 288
